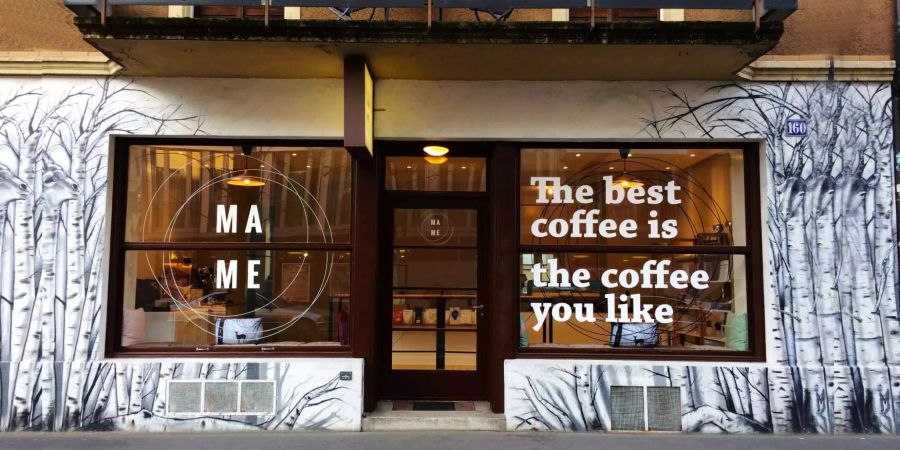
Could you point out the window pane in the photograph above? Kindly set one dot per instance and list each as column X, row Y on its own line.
column 216, row 194
column 434, row 329
column 235, row 298
column 701, row 190
column 437, row 268
column 707, row 312
column 414, row 173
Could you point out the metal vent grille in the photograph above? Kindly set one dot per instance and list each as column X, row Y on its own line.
column 185, row 397
column 221, row 397
column 627, row 408
column 257, row 397
column 663, row 408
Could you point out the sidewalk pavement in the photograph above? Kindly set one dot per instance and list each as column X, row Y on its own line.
column 436, row 441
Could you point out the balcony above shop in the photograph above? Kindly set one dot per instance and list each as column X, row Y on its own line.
column 435, row 39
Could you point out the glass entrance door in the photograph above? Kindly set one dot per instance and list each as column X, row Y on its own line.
column 434, row 304
column 436, row 301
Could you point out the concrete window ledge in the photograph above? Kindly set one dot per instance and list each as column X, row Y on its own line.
column 56, row 63
column 820, row 68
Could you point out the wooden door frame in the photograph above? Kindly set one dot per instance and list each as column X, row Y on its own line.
column 481, row 201
column 432, row 384
column 501, row 198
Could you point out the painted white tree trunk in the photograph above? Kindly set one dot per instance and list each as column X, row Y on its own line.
column 26, row 324
column 809, row 376
column 759, row 396
column 46, row 298
column 75, row 254
column 868, row 338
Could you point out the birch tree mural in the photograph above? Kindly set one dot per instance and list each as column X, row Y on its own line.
column 831, row 228
column 834, row 341
column 53, row 167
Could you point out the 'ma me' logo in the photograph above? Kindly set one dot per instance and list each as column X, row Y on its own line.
column 436, row 228
column 227, row 223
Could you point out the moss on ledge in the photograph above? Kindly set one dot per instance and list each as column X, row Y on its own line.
column 333, row 31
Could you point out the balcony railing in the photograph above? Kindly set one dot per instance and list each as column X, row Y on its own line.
column 762, row 10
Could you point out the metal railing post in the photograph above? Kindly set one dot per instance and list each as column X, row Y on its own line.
column 103, row 7
column 429, row 13
column 266, row 13
column 593, row 14
column 758, row 7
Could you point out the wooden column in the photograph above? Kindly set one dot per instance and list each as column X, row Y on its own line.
column 363, row 271
column 504, row 323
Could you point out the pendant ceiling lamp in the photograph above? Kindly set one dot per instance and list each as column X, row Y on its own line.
column 244, row 178
column 625, row 180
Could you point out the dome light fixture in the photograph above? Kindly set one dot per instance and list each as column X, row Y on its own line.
column 435, row 150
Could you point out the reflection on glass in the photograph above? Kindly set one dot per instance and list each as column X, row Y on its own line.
column 201, row 298
column 714, row 318
column 414, row 173
column 186, row 194
column 710, row 190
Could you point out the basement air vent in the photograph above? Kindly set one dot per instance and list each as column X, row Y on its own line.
column 257, row 397
column 221, row 397
column 650, row 408
column 185, row 397
column 627, row 408
column 663, row 408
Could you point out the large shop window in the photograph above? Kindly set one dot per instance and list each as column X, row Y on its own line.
column 637, row 250
column 234, row 248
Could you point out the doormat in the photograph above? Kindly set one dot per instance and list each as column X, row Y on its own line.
column 401, row 405
column 434, row 406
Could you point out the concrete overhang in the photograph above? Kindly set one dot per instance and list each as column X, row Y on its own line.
column 447, row 51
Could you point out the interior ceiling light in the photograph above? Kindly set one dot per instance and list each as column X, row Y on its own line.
column 436, row 159
column 244, row 178
column 436, row 150
column 625, row 180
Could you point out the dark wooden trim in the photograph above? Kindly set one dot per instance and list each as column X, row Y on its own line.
column 752, row 251
column 226, row 141
column 212, row 352
column 295, row 246
column 364, row 269
column 657, row 355
column 504, row 267
column 121, row 146
column 458, row 148
column 408, row 384
column 431, row 196
column 116, row 263
column 756, row 310
column 668, row 249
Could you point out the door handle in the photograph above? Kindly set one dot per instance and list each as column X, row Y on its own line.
column 478, row 307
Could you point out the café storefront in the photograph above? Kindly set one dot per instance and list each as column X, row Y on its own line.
column 591, row 256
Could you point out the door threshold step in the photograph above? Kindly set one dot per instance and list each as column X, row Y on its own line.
column 388, row 418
